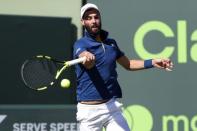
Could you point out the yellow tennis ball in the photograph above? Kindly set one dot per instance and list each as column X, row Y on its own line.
column 65, row 83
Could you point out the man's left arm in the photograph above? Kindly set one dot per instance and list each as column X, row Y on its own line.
column 145, row 64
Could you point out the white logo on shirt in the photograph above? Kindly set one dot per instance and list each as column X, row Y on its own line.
column 78, row 50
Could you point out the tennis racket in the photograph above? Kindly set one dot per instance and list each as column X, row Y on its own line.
column 41, row 72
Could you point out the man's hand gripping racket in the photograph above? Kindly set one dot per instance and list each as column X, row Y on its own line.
column 41, row 72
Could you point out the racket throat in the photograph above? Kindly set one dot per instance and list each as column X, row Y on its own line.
column 60, row 71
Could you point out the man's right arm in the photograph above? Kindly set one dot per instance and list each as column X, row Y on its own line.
column 80, row 50
column 89, row 61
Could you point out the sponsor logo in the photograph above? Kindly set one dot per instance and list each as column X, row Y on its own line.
column 136, row 116
column 185, row 48
column 139, row 118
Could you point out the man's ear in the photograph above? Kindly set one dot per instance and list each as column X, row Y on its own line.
column 82, row 22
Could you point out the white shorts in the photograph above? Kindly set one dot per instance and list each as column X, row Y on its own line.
column 96, row 117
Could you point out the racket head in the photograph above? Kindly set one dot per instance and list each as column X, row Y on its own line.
column 39, row 72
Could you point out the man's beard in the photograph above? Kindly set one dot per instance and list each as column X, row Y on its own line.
column 89, row 30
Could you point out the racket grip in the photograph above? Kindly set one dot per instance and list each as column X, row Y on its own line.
column 76, row 61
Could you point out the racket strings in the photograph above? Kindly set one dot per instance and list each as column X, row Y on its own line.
column 39, row 73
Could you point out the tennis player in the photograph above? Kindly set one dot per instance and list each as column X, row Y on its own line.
column 97, row 85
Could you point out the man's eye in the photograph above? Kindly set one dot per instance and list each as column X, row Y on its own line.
column 88, row 18
column 96, row 17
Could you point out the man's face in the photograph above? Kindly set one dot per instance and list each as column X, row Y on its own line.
column 92, row 21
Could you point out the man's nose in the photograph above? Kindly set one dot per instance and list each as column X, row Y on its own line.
column 93, row 20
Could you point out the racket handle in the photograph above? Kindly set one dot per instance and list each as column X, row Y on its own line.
column 76, row 61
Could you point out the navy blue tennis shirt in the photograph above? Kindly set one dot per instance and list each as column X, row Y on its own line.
column 99, row 82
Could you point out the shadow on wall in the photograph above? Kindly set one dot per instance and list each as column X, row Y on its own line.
column 22, row 37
